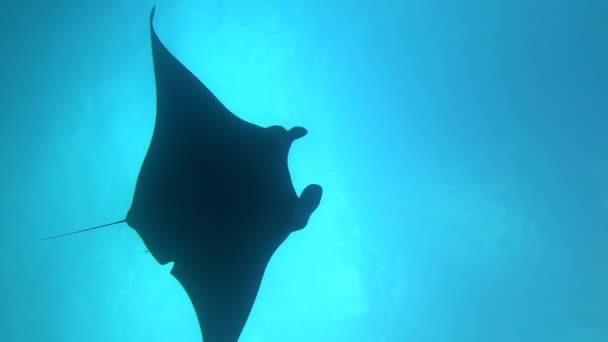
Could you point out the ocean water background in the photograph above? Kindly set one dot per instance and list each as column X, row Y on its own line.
column 462, row 147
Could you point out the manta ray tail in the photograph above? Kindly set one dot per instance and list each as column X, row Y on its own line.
column 85, row 230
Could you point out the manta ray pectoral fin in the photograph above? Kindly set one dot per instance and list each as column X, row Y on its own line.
column 307, row 204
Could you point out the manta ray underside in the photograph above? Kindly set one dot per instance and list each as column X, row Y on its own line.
column 214, row 196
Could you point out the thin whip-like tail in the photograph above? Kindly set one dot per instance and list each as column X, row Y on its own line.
column 85, row 230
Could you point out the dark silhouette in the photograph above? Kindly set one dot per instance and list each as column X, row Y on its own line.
column 215, row 196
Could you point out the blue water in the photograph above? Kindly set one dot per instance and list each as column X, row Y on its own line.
column 462, row 147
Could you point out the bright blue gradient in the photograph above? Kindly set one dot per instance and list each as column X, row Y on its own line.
column 462, row 147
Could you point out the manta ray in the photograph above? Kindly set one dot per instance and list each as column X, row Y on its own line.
column 214, row 196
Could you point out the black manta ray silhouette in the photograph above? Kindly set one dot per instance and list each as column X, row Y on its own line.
column 214, row 195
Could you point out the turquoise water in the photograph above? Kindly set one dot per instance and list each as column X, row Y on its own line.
column 462, row 148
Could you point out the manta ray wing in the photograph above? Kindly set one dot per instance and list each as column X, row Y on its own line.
column 223, row 286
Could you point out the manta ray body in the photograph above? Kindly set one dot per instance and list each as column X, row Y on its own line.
column 214, row 196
